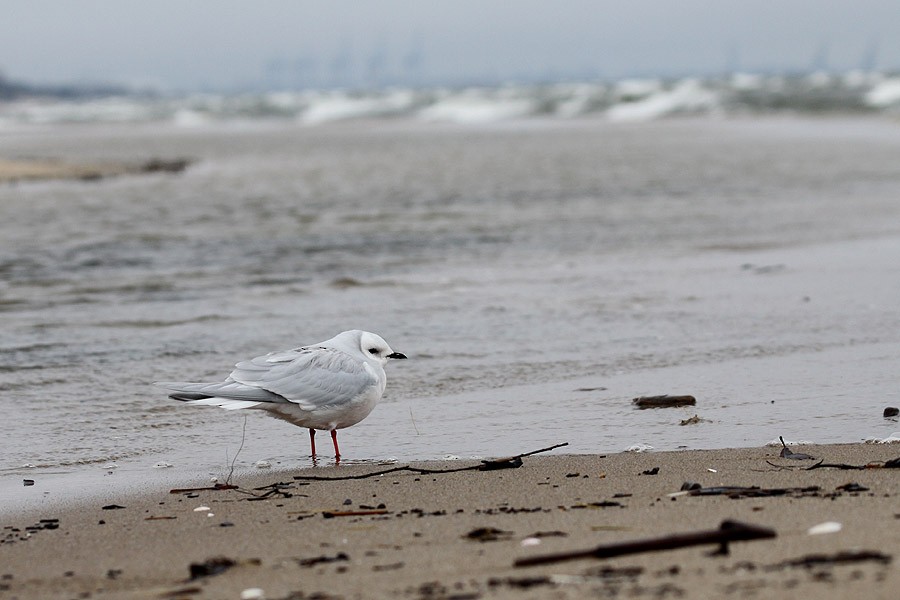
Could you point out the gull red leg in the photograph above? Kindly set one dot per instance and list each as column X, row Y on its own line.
column 337, row 452
column 312, row 442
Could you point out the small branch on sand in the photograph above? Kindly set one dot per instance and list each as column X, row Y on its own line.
column 728, row 531
column 894, row 463
column 663, row 401
column 840, row 558
column 733, row 491
column 211, row 488
column 510, row 462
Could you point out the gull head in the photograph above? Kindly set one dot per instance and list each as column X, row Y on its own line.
column 371, row 346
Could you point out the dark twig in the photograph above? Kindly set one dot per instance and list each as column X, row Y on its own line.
column 733, row 491
column 510, row 462
column 663, row 401
column 241, row 447
column 211, row 488
column 888, row 464
column 728, row 531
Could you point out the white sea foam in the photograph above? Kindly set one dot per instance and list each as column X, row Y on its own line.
column 625, row 100
column 689, row 96
column 885, row 94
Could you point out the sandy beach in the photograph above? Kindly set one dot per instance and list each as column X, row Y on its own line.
column 411, row 534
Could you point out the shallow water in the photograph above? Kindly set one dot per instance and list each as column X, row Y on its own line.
column 752, row 263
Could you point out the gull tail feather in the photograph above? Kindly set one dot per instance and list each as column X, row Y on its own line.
column 226, row 403
column 228, row 394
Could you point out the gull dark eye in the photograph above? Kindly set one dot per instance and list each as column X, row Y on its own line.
column 373, row 350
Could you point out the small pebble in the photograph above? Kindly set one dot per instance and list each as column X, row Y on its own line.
column 253, row 594
column 891, row 411
column 827, row 527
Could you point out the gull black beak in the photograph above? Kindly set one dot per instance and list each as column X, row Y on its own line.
column 396, row 355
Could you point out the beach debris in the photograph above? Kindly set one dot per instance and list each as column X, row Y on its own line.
column 823, row 528
column 211, row 566
column 653, row 471
column 591, row 389
column 213, row 488
column 687, row 486
column 162, row 465
column 788, row 453
column 753, row 491
column 509, row 462
column 729, row 531
column 891, row 411
column 894, row 463
column 113, row 507
column 182, row 592
column 663, row 401
column 530, row 541
column 275, row 489
column 330, row 514
column 844, row 557
column 263, row 464
column 253, row 594
column 522, row 583
column 160, row 518
column 488, row 534
column 324, row 559
column 852, row 487
column 202, row 509
column 218, row 565
column 28, row 482
column 598, row 504
column 695, row 420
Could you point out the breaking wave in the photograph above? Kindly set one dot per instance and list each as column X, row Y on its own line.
column 625, row 100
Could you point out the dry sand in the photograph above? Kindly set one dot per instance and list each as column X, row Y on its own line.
column 415, row 543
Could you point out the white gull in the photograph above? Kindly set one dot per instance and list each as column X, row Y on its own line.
column 329, row 386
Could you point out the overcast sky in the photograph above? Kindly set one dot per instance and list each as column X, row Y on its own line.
column 227, row 44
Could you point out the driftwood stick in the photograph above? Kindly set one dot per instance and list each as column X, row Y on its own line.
column 510, row 462
column 728, row 531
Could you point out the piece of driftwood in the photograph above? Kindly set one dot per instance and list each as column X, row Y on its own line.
column 728, row 531
column 212, row 488
column 894, row 463
column 663, row 401
column 330, row 514
column 733, row 491
column 510, row 462
column 839, row 558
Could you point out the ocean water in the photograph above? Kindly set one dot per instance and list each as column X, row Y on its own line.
column 538, row 273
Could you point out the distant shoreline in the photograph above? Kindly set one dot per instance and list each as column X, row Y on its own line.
column 43, row 169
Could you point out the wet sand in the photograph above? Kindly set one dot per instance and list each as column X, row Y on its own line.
column 457, row 535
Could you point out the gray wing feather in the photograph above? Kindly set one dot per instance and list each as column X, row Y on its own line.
column 310, row 377
column 226, row 389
